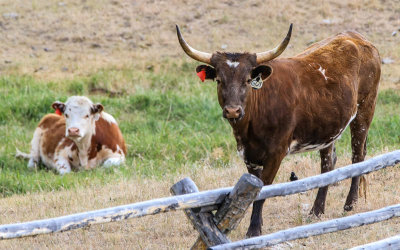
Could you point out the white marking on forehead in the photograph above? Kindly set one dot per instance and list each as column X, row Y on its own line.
column 79, row 100
column 232, row 64
column 78, row 104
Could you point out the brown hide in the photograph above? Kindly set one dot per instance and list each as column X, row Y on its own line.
column 297, row 102
column 54, row 131
column 304, row 104
column 107, row 134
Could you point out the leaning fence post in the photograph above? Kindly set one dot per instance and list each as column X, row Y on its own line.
column 203, row 222
column 235, row 205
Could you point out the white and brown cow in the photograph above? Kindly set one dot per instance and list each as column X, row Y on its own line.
column 83, row 138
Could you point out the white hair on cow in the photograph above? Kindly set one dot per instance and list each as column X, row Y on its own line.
column 108, row 117
column 79, row 116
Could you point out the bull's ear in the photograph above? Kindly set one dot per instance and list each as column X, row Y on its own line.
column 264, row 70
column 97, row 108
column 58, row 105
column 209, row 72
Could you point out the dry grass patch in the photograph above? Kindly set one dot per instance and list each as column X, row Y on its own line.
column 58, row 40
column 173, row 231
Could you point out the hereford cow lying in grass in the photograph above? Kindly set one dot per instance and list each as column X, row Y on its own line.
column 83, row 138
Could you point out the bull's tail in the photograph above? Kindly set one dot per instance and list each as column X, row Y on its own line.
column 22, row 155
column 362, row 190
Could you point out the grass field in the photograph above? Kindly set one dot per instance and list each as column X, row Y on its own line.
column 171, row 121
column 173, row 125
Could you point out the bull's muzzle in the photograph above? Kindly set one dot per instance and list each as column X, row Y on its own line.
column 233, row 112
column 73, row 132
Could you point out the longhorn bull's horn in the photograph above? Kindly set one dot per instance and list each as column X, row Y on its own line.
column 195, row 54
column 275, row 52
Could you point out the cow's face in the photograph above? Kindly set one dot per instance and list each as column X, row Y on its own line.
column 80, row 116
column 234, row 73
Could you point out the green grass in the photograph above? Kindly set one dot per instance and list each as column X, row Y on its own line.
column 170, row 121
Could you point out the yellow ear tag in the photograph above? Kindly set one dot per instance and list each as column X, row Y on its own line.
column 257, row 82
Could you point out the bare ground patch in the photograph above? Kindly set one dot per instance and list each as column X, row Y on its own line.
column 58, row 40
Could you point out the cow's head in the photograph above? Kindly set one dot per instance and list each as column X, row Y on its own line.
column 80, row 116
column 234, row 73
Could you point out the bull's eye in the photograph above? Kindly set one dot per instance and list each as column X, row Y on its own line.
column 248, row 81
column 87, row 116
column 218, row 81
column 66, row 115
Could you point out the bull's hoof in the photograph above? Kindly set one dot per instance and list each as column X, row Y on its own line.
column 253, row 232
column 350, row 203
column 348, row 207
column 317, row 211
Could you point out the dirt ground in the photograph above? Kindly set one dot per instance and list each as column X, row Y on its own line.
column 59, row 40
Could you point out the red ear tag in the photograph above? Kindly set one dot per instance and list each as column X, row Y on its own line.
column 58, row 112
column 202, row 75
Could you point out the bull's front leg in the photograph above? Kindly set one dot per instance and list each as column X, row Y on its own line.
column 267, row 174
column 62, row 161
column 62, row 165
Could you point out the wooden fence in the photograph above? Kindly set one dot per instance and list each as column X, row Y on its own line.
column 389, row 243
column 300, row 232
column 231, row 204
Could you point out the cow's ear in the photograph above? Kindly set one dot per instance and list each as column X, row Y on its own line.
column 57, row 105
column 97, row 108
column 206, row 72
column 264, row 70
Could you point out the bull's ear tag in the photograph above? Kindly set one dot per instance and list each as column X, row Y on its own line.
column 202, row 75
column 257, row 82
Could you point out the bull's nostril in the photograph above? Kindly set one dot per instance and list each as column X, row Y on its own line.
column 232, row 112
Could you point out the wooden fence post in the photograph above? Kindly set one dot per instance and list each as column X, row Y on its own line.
column 203, row 222
column 235, row 205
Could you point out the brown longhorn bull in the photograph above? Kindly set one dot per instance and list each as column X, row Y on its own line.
column 278, row 107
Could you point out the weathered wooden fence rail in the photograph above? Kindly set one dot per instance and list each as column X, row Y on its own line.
column 314, row 229
column 198, row 205
column 389, row 243
column 322, row 180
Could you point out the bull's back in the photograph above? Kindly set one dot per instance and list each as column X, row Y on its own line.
column 370, row 68
column 339, row 74
column 351, row 55
column 322, row 86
